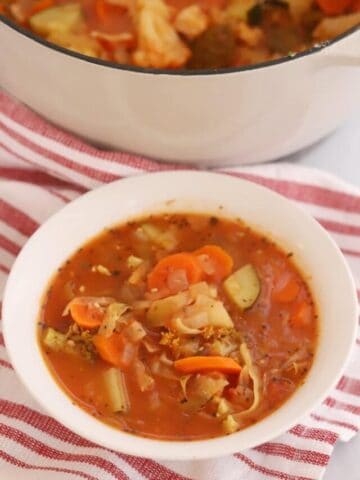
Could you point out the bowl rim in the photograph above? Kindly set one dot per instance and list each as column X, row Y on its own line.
column 174, row 450
column 318, row 47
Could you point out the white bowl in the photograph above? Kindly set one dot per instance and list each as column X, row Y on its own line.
column 314, row 251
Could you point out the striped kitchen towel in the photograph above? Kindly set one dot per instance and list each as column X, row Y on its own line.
column 43, row 168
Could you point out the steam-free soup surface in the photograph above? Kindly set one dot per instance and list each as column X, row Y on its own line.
column 190, row 34
column 179, row 327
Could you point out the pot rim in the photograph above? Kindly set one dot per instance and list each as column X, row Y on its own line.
column 318, row 47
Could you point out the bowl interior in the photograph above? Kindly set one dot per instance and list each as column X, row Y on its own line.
column 314, row 252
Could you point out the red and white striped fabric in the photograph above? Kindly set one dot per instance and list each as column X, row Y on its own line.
column 41, row 169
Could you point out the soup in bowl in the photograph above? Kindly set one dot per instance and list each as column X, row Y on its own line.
column 180, row 325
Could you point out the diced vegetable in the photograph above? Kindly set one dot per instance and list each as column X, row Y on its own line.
column 202, row 389
column 54, row 340
column 164, row 239
column 134, row 262
column 217, row 313
column 162, row 310
column 230, row 425
column 88, row 312
column 207, row 364
column 112, row 318
column 115, row 349
column 196, row 320
column 145, row 381
column 243, row 286
column 117, row 392
column 135, row 332
column 62, row 18
column 158, row 277
column 222, row 347
column 215, row 262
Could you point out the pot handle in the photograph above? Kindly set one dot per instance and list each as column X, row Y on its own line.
column 345, row 52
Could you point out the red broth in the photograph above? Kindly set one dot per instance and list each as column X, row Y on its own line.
column 217, row 362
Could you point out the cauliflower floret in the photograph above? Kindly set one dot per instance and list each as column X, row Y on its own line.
column 252, row 36
column 191, row 21
column 159, row 45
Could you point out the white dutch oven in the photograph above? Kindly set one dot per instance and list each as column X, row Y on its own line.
column 244, row 115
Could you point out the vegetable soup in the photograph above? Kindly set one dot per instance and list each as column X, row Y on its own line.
column 190, row 34
column 179, row 327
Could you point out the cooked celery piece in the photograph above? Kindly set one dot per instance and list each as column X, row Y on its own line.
column 133, row 261
column 112, row 318
column 164, row 239
column 62, row 18
column 243, row 286
column 162, row 310
column 230, row 425
column 55, row 340
column 117, row 391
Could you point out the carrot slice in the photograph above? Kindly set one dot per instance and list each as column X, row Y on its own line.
column 220, row 261
column 86, row 315
column 41, row 5
column 157, row 278
column 115, row 349
column 206, row 364
column 334, row 7
column 288, row 292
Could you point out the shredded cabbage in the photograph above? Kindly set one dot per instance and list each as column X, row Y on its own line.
column 252, row 371
column 112, row 318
